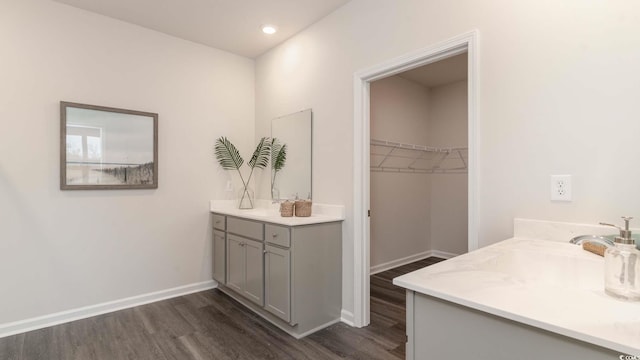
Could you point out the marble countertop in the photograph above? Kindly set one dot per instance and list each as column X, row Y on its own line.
column 552, row 285
column 267, row 212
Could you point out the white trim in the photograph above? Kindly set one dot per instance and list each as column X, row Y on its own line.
column 409, row 259
column 347, row 317
column 44, row 321
column 443, row 254
column 361, row 202
column 361, row 171
column 472, row 139
column 399, row 262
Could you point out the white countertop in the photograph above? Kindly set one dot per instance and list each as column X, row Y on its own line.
column 267, row 212
column 555, row 286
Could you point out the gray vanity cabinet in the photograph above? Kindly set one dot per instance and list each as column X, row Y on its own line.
column 245, row 267
column 219, row 256
column 290, row 275
column 277, row 282
column 254, row 272
column 219, row 248
column 219, row 222
column 435, row 328
column 235, row 263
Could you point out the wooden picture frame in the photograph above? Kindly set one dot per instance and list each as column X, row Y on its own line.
column 103, row 148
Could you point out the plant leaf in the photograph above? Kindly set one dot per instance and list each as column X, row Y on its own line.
column 260, row 158
column 275, row 145
column 275, row 149
column 227, row 154
column 278, row 156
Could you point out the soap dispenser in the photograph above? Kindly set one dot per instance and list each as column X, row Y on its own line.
column 622, row 266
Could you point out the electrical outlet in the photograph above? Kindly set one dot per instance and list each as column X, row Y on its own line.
column 561, row 188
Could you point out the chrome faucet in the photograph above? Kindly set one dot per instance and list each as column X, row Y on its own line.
column 625, row 234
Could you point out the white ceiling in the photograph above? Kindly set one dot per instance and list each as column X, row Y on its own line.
column 231, row 25
column 439, row 73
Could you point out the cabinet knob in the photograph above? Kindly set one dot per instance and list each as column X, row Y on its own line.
column 265, row 251
column 274, row 236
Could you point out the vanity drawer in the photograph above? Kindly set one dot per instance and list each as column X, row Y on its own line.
column 219, row 222
column 247, row 228
column 277, row 235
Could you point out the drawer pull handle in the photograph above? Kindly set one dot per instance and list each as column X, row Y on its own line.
column 275, row 236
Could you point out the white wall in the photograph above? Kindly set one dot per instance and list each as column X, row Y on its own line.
column 557, row 94
column 400, row 203
column 449, row 206
column 61, row 250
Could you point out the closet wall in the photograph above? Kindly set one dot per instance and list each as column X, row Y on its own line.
column 400, row 203
column 413, row 214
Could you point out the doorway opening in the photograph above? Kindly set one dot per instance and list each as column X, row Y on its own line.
column 419, row 155
column 459, row 158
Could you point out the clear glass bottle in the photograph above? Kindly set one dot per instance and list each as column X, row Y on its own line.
column 622, row 272
column 622, row 267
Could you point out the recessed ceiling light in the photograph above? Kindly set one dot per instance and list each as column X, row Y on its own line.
column 269, row 29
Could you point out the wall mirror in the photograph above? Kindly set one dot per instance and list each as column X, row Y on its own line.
column 293, row 133
column 107, row 148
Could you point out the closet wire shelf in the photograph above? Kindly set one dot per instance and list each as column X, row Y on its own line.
column 389, row 156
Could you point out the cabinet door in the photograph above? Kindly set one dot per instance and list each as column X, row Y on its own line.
column 235, row 263
column 219, row 256
column 254, row 271
column 277, row 282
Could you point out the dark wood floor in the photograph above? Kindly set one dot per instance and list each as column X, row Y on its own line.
column 210, row 325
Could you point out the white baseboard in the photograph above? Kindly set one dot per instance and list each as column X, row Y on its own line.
column 443, row 254
column 399, row 262
column 409, row 259
column 347, row 317
column 44, row 321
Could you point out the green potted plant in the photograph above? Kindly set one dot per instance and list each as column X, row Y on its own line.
column 229, row 158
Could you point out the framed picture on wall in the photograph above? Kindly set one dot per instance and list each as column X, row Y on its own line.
column 103, row 148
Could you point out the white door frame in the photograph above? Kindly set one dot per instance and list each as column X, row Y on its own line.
column 466, row 42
